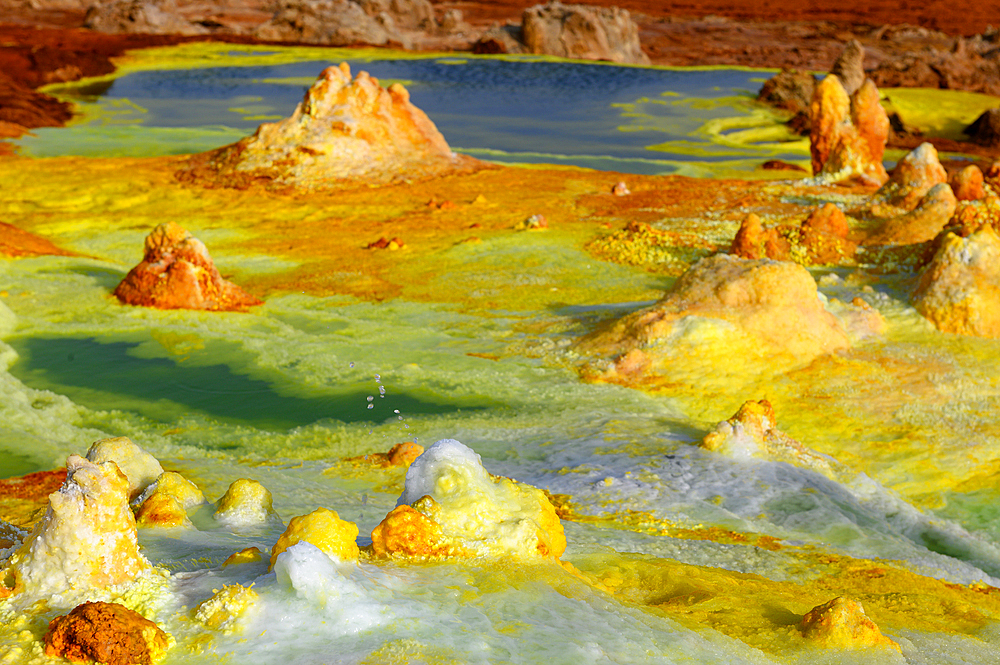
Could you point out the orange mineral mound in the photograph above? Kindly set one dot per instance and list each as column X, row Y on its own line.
column 344, row 129
column 106, row 633
column 177, row 273
column 842, row 624
column 849, row 132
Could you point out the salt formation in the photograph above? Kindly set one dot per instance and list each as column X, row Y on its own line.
column 843, row 624
column 344, row 129
column 224, row 610
column 166, row 501
column 724, row 306
column 87, row 539
column 176, row 272
column 452, row 507
column 323, row 528
column 106, row 633
column 245, row 503
column 582, row 31
column 753, row 432
column 848, row 132
column 921, row 224
column 914, row 176
column 822, row 239
column 139, row 467
column 959, row 292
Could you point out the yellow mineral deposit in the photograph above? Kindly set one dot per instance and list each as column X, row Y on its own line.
column 753, row 432
column 139, row 467
column 246, row 503
column 843, row 624
column 323, row 528
column 959, row 292
column 87, row 539
column 452, row 506
column 166, row 502
column 224, row 610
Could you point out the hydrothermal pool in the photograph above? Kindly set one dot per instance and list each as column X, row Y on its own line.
column 511, row 110
column 684, row 555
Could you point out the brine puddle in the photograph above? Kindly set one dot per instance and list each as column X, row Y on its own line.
column 105, row 375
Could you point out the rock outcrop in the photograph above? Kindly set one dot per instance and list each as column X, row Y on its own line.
column 345, row 129
column 151, row 17
column 789, row 90
column 452, row 507
column 349, row 22
column 959, row 292
column 985, row 130
column 911, row 179
column 848, row 132
column 87, row 539
column 106, row 633
column 582, row 31
column 843, row 624
column 176, row 272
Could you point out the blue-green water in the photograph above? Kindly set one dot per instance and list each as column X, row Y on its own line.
column 628, row 119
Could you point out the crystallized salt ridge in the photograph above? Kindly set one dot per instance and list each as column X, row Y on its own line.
column 433, row 473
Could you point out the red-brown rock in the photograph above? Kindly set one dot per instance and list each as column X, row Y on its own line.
column 177, row 273
column 582, row 31
column 968, row 184
column 106, row 633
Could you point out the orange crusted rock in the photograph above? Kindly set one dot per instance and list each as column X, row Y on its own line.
column 968, row 184
column 408, row 532
column 106, row 633
column 346, row 128
column 401, row 454
column 959, row 292
column 842, row 624
column 914, row 176
column 824, row 236
column 848, row 133
column 921, row 224
column 176, row 272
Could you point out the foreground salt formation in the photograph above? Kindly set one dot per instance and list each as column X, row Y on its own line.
column 346, row 128
column 452, row 507
column 176, row 272
column 843, row 624
column 726, row 307
column 87, row 539
column 959, row 292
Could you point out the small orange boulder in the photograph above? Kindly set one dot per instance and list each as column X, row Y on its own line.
column 843, row 624
column 176, row 272
column 106, row 633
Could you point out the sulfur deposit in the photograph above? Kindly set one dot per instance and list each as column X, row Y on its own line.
column 166, row 501
column 324, row 529
column 848, row 132
column 959, row 292
column 87, row 539
column 739, row 308
column 753, row 432
column 224, row 610
column 843, row 624
column 106, row 633
column 345, row 129
column 176, row 272
column 245, row 503
column 452, row 506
